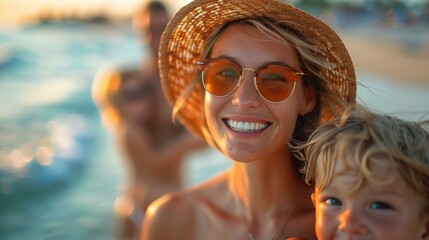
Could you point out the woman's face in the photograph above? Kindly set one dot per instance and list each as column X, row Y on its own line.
column 244, row 125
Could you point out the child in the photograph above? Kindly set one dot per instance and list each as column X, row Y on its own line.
column 371, row 177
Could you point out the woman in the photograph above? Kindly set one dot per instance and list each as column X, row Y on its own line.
column 251, row 77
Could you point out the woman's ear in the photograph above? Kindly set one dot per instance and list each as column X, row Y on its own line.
column 310, row 100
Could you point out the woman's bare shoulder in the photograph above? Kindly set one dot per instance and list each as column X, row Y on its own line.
column 168, row 217
column 174, row 215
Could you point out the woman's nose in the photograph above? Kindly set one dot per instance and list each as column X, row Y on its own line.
column 352, row 222
column 246, row 95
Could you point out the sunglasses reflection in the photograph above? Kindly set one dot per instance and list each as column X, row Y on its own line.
column 275, row 82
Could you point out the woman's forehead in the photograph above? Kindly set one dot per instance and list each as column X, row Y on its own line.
column 252, row 47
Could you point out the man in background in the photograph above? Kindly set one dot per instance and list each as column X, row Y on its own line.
column 133, row 107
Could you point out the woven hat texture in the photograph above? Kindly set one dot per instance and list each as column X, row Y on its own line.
column 183, row 39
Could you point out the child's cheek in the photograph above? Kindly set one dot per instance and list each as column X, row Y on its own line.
column 326, row 221
column 383, row 223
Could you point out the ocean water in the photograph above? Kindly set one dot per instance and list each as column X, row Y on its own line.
column 59, row 169
column 59, row 172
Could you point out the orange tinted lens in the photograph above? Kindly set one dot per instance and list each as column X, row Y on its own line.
column 276, row 83
column 221, row 77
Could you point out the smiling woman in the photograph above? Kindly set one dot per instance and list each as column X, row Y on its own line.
column 250, row 77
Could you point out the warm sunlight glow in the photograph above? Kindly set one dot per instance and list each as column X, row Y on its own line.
column 123, row 206
column 44, row 155
column 13, row 12
column 17, row 159
column 16, row 12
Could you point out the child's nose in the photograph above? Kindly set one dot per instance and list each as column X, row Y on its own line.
column 351, row 222
column 246, row 95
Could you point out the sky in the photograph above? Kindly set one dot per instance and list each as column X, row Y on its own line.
column 14, row 12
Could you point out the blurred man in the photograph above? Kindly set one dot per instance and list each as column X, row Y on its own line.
column 149, row 22
column 133, row 107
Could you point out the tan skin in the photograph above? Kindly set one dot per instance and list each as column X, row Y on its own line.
column 153, row 144
column 154, row 147
column 261, row 193
column 374, row 211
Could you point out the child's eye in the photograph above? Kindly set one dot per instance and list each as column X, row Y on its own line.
column 380, row 206
column 333, row 202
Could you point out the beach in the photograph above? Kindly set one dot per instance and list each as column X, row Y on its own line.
column 392, row 70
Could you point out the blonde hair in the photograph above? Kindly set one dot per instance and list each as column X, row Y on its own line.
column 105, row 88
column 106, row 93
column 364, row 138
column 310, row 59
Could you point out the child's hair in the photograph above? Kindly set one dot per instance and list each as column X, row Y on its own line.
column 106, row 92
column 360, row 138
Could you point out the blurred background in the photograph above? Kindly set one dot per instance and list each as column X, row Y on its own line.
column 59, row 169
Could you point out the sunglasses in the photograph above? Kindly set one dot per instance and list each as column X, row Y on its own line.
column 274, row 82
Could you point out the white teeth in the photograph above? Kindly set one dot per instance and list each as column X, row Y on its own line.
column 240, row 125
column 246, row 126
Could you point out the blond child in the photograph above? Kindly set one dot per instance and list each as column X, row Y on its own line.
column 371, row 177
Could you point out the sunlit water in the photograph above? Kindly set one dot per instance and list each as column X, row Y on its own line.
column 59, row 170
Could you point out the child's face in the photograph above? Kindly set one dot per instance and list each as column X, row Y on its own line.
column 374, row 211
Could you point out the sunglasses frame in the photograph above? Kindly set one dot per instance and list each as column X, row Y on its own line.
column 204, row 62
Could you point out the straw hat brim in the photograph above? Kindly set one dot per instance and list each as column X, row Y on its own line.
column 183, row 40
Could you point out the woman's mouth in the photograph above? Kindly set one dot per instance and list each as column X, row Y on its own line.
column 243, row 126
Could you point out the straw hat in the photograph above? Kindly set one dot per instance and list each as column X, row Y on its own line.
column 183, row 39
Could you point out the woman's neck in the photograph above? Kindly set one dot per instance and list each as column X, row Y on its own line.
column 269, row 190
column 266, row 180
